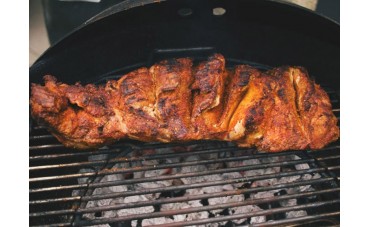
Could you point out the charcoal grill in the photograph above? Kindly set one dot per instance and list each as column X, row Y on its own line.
column 63, row 181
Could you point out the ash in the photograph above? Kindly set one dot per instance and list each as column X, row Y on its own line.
column 144, row 203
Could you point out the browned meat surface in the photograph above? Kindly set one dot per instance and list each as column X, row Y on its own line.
column 76, row 115
column 133, row 103
column 172, row 80
column 314, row 108
column 277, row 110
column 208, row 90
column 235, row 91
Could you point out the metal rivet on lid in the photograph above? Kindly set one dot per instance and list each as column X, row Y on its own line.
column 219, row 11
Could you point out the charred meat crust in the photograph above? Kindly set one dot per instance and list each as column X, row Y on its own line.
column 315, row 110
column 281, row 109
column 173, row 97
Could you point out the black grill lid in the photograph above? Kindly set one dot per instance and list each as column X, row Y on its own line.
column 268, row 32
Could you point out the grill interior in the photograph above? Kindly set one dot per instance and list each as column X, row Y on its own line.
column 62, row 181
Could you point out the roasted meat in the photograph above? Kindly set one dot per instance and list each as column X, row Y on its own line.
column 172, row 79
column 277, row 110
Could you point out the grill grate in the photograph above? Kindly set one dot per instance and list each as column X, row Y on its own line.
column 62, row 182
column 54, row 175
column 45, row 199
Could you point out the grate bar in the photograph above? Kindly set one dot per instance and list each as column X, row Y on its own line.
column 39, row 127
column 298, row 219
column 206, row 208
column 157, row 156
column 178, row 199
column 53, row 212
column 328, row 158
column 74, row 154
column 46, row 146
column 183, row 187
column 64, row 199
column 141, row 145
column 169, row 155
column 123, row 160
column 333, row 168
column 53, row 225
column 175, row 176
column 174, row 165
column 47, row 136
column 65, row 187
column 333, row 147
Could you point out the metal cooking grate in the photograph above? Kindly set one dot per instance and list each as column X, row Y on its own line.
column 54, row 173
column 63, row 181
column 51, row 199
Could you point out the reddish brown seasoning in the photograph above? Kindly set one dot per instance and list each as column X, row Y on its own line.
column 277, row 110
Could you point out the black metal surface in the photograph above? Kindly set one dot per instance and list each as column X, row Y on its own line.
column 61, row 17
column 250, row 31
column 268, row 32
